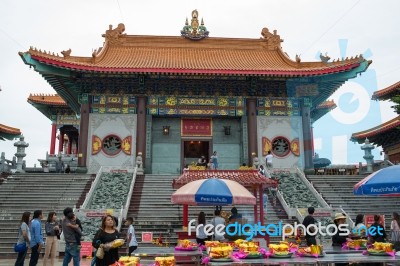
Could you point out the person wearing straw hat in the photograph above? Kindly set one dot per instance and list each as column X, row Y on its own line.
column 339, row 239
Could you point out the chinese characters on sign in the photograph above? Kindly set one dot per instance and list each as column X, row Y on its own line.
column 196, row 127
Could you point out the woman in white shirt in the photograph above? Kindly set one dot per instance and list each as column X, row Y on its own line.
column 218, row 221
column 201, row 236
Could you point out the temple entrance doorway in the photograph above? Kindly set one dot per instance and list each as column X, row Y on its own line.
column 194, row 149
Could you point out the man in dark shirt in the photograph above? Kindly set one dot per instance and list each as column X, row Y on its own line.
column 71, row 246
column 376, row 231
column 309, row 219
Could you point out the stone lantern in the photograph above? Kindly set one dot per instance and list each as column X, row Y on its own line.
column 20, row 154
column 367, row 148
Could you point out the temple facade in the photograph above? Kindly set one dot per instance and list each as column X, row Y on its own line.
column 387, row 134
column 176, row 98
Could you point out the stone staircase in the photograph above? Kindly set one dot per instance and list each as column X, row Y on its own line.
column 338, row 192
column 153, row 211
column 29, row 192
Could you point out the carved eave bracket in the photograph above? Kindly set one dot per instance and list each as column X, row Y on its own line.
column 113, row 36
column 272, row 40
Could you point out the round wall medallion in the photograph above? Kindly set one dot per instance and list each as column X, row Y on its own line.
column 111, row 145
column 280, row 146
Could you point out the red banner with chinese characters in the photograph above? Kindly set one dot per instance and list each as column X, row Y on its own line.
column 196, row 127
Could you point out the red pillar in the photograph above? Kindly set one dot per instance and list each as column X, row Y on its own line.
column 141, row 128
column 185, row 215
column 61, row 142
column 53, row 138
column 83, row 132
column 251, row 105
column 260, row 192
column 69, row 145
column 255, row 206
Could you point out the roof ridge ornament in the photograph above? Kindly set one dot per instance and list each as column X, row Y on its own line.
column 325, row 58
column 273, row 40
column 194, row 31
column 113, row 35
column 66, row 53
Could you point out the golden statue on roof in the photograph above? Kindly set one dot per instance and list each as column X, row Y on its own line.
column 112, row 35
column 272, row 39
column 194, row 31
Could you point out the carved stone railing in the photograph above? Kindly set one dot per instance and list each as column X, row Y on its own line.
column 111, row 191
column 284, row 204
column 92, row 189
column 294, row 191
column 128, row 200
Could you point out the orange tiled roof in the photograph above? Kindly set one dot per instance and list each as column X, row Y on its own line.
column 166, row 54
column 395, row 122
column 243, row 177
column 327, row 104
column 10, row 130
column 386, row 91
column 47, row 99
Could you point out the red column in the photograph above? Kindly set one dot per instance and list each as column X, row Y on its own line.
column 69, row 145
column 83, row 134
column 141, row 128
column 251, row 105
column 53, row 138
column 261, row 205
column 61, row 142
column 185, row 215
column 255, row 206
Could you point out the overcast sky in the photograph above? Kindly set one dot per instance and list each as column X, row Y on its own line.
column 340, row 28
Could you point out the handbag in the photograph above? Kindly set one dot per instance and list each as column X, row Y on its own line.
column 20, row 247
column 100, row 253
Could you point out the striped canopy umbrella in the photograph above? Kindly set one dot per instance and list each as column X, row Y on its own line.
column 385, row 182
column 215, row 192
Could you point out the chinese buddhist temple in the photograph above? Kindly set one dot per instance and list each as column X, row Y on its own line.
column 177, row 98
column 386, row 135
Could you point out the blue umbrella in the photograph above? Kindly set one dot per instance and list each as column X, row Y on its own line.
column 385, row 182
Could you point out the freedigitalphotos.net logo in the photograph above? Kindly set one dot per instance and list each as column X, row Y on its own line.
column 354, row 112
column 279, row 229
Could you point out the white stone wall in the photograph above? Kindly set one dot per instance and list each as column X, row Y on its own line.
column 103, row 125
column 288, row 127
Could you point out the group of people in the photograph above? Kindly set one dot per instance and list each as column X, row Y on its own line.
column 212, row 163
column 30, row 232
column 358, row 232
column 59, row 165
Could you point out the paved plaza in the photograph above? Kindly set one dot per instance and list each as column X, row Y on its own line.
column 10, row 262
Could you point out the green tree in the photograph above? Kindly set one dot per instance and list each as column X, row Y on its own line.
column 396, row 100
